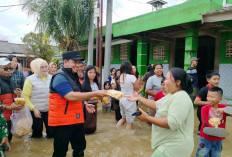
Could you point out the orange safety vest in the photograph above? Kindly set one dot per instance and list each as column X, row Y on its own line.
column 57, row 109
column 61, row 111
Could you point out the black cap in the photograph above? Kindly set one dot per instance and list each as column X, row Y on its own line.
column 73, row 55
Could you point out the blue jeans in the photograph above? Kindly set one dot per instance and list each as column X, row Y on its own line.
column 206, row 148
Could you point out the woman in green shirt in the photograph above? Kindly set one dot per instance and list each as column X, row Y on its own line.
column 3, row 131
column 172, row 129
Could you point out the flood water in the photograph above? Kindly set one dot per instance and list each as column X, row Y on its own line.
column 107, row 141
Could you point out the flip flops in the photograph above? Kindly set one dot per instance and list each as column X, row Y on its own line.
column 218, row 132
column 228, row 110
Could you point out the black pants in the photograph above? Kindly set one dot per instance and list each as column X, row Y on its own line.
column 118, row 115
column 9, row 123
column 37, row 126
column 199, row 117
column 69, row 133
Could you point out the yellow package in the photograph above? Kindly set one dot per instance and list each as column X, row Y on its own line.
column 215, row 122
column 105, row 100
column 20, row 101
column 115, row 94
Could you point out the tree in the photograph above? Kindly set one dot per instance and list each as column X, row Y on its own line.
column 66, row 21
column 39, row 45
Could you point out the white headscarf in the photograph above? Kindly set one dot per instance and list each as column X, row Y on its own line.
column 36, row 63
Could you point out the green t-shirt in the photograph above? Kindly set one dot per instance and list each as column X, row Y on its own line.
column 3, row 127
column 3, row 124
column 178, row 140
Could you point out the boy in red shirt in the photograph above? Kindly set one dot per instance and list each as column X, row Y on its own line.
column 213, row 125
column 162, row 93
column 213, row 79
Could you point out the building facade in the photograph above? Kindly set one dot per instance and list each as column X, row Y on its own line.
column 171, row 36
column 17, row 50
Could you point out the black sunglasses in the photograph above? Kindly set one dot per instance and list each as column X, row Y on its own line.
column 7, row 69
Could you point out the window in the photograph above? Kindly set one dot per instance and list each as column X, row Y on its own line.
column 123, row 52
column 112, row 53
column 159, row 53
column 229, row 49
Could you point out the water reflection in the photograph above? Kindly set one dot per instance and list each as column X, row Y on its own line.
column 107, row 141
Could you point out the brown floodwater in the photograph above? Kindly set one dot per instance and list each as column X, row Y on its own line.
column 107, row 141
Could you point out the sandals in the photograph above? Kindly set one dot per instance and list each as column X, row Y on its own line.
column 218, row 132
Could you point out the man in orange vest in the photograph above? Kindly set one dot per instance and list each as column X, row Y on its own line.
column 66, row 116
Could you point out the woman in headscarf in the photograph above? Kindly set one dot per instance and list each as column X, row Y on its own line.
column 36, row 92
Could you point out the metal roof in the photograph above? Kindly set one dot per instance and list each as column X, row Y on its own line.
column 6, row 47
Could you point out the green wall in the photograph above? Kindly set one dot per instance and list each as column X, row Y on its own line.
column 116, row 57
column 222, row 56
column 116, row 54
column 167, row 51
column 84, row 54
column 229, row 1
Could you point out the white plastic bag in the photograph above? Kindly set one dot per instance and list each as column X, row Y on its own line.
column 21, row 122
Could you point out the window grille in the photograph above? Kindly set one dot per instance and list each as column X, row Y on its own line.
column 229, row 49
column 123, row 52
column 159, row 53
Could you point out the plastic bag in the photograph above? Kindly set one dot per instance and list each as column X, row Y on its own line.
column 21, row 122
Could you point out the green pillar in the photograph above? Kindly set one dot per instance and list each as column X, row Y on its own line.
column 142, row 56
column 191, row 46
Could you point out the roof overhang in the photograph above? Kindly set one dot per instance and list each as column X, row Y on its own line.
column 17, row 55
column 224, row 14
column 114, row 42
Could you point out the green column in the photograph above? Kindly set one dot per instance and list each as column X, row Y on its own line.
column 142, row 56
column 191, row 46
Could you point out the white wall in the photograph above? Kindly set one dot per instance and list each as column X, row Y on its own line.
column 225, row 71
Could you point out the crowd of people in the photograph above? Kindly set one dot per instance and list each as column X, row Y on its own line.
column 65, row 101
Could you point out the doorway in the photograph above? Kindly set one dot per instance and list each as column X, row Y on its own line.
column 133, row 53
column 206, row 53
column 179, row 52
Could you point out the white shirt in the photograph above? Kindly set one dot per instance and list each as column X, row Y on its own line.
column 127, row 83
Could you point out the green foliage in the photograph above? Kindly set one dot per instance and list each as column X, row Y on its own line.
column 39, row 45
column 66, row 21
